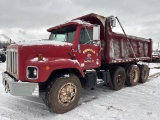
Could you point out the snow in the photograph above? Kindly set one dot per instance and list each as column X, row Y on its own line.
column 74, row 61
column 44, row 42
column 140, row 102
column 36, row 59
column 82, row 22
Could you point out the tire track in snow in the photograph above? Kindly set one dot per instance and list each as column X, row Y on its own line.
column 2, row 66
column 12, row 106
column 154, row 75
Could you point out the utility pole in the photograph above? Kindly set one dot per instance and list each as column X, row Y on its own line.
column 158, row 47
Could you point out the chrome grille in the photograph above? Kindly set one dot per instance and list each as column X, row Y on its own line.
column 12, row 62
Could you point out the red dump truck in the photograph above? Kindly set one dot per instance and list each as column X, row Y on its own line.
column 81, row 53
column 156, row 56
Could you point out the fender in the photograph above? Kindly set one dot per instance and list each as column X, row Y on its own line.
column 48, row 65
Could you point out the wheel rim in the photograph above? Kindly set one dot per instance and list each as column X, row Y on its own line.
column 7, row 88
column 134, row 76
column 145, row 74
column 119, row 79
column 67, row 94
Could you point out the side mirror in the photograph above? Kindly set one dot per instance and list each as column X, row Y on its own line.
column 96, row 32
column 113, row 21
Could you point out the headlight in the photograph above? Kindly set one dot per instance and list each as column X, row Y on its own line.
column 32, row 72
column 35, row 72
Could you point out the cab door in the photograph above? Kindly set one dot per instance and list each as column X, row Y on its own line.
column 88, row 53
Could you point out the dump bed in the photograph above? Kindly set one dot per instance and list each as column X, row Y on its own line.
column 122, row 49
column 119, row 48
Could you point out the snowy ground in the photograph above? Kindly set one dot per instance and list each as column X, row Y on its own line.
column 141, row 102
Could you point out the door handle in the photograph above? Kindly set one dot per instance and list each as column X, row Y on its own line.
column 79, row 48
column 74, row 50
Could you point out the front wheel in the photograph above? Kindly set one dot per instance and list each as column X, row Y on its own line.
column 63, row 95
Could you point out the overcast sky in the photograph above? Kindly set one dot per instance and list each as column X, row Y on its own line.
column 29, row 19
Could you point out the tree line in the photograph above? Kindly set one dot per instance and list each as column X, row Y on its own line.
column 3, row 44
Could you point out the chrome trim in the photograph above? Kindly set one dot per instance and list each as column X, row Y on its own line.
column 12, row 62
column 37, row 72
column 19, row 88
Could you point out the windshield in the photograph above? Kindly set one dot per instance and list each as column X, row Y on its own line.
column 64, row 34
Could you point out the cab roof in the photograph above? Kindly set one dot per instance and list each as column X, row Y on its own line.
column 88, row 20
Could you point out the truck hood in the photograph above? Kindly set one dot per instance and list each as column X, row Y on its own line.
column 29, row 51
column 45, row 42
column 46, row 48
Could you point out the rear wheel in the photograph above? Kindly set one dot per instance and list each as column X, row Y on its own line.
column 118, row 77
column 64, row 94
column 132, row 75
column 144, row 73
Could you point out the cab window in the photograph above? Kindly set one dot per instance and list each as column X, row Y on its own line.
column 85, row 36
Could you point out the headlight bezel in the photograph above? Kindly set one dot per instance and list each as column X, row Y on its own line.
column 32, row 72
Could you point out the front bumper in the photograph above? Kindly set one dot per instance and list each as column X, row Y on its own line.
column 19, row 88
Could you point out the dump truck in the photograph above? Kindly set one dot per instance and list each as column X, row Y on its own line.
column 80, row 54
column 156, row 56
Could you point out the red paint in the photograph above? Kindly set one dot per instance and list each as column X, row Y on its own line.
column 89, row 56
column 156, row 56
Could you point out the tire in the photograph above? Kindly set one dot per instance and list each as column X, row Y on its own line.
column 144, row 73
column 2, row 58
column 132, row 75
column 63, row 94
column 118, row 77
